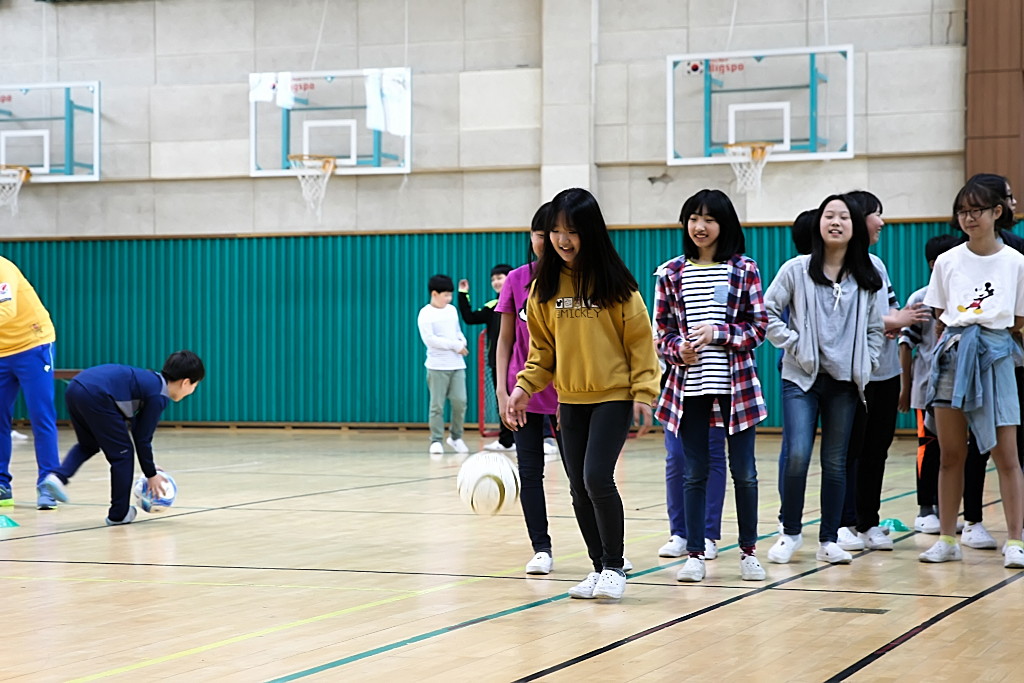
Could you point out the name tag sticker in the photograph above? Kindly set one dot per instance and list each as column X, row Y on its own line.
column 5, row 292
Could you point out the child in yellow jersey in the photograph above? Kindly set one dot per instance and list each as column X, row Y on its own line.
column 26, row 362
column 590, row 334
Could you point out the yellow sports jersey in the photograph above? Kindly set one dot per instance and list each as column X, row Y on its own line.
column 24, row 323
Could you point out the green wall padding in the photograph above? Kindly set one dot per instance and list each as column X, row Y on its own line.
column 323, row 328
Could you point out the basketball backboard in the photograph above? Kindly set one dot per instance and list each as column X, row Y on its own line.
column 361, row 117
column 53, row 129
column 799, row 99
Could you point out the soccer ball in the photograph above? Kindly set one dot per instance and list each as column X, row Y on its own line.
column 488, row 483
column 145, row 499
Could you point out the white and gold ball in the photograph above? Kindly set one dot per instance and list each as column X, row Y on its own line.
column 488, row 483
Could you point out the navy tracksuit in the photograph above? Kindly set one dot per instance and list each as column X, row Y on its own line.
column 116, row 409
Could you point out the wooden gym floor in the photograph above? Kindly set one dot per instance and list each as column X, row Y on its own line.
column 328, row 556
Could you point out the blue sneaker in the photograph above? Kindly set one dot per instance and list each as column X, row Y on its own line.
column 6, row 497
column 53, row 486
column 44, row 499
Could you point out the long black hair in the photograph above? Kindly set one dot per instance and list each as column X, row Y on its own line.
column 985, row 189
column 598, row 273
column 716, row 204
column 857, row 261
column 541, row 223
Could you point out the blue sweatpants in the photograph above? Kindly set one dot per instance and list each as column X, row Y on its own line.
column 32, row 372
column 100, row 425
column 675, row 484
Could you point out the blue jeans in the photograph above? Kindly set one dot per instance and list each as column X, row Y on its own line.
column 693, row 432
column 675, row 484
column 837, row 404
column 32, row 372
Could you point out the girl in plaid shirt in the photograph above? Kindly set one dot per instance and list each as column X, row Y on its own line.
column 709, row 318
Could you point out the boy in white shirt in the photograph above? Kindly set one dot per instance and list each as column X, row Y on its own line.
column 446, row 370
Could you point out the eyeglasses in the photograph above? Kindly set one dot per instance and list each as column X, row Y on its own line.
column 973, row 213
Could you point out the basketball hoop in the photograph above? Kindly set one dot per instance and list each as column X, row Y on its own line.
column 314, row 172
column 747, row 160
column 11, row 180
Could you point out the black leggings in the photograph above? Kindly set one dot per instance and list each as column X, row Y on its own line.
column 873, row 430
column 592, row 438
column 530, row 455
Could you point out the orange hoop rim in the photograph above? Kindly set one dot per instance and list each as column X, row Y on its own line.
column 327, row 162
column 758, row 150
column 26, row 173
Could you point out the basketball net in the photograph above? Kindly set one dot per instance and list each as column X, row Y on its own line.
column 11, row 180
column 314, row 173
column 747, row 160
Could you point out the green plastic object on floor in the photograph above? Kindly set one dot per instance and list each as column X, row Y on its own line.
column 7, row 523
column 894, row 524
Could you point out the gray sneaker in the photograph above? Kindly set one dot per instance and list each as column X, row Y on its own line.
column 55, row 487
column 6, row 497
column 128, row 519
column 44, row 499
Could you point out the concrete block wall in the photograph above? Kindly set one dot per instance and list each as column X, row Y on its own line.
column 512, row 100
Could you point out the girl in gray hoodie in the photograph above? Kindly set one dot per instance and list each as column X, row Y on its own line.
column 832, row 343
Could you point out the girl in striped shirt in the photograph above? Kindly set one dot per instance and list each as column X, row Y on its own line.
column 709, row 317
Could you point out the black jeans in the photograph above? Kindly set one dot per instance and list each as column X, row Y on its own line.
column 873, row 430
column 505, row 435
column 592, row 438
column 530, row 455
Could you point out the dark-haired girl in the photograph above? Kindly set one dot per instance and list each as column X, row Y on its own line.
column 832, row 341
column 512, row 349
column 977, row 291
column 590, row 333
column 710, row 317
column 875, row 423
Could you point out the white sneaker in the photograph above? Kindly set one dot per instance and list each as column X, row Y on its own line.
column 436, row 451
column 676, row 547
column 751, row 569
column 942, row 552
column 627, row 566
column 710, row 549
column 959, row 525
column 496, row 446
column 929, row 524
column 550, row 446
column 875, row 539
column 458, row 444
column 611, row 585
column 1014, row 557
column 18, row 436
column 693, row 571
column 782, row 551
column 542, row 563
column 977, row 536
column 584, row 590
column 848, row 539
column 833, row 554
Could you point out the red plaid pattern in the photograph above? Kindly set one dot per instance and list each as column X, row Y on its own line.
column 746, row 322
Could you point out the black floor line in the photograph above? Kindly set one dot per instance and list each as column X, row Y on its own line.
column 896, row 593
column 686, row 617
column 229, row 507
column 896, row 642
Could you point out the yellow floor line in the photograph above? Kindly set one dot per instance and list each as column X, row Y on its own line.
column 311, row 620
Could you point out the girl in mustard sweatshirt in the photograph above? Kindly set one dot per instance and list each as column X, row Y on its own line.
column 590, row 334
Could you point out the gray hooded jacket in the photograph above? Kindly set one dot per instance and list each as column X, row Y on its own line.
column 793, row 287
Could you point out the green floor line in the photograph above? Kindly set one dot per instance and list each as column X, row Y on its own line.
column 512, row 610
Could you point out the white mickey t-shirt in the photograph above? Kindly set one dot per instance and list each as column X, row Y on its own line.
column 978, row 290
